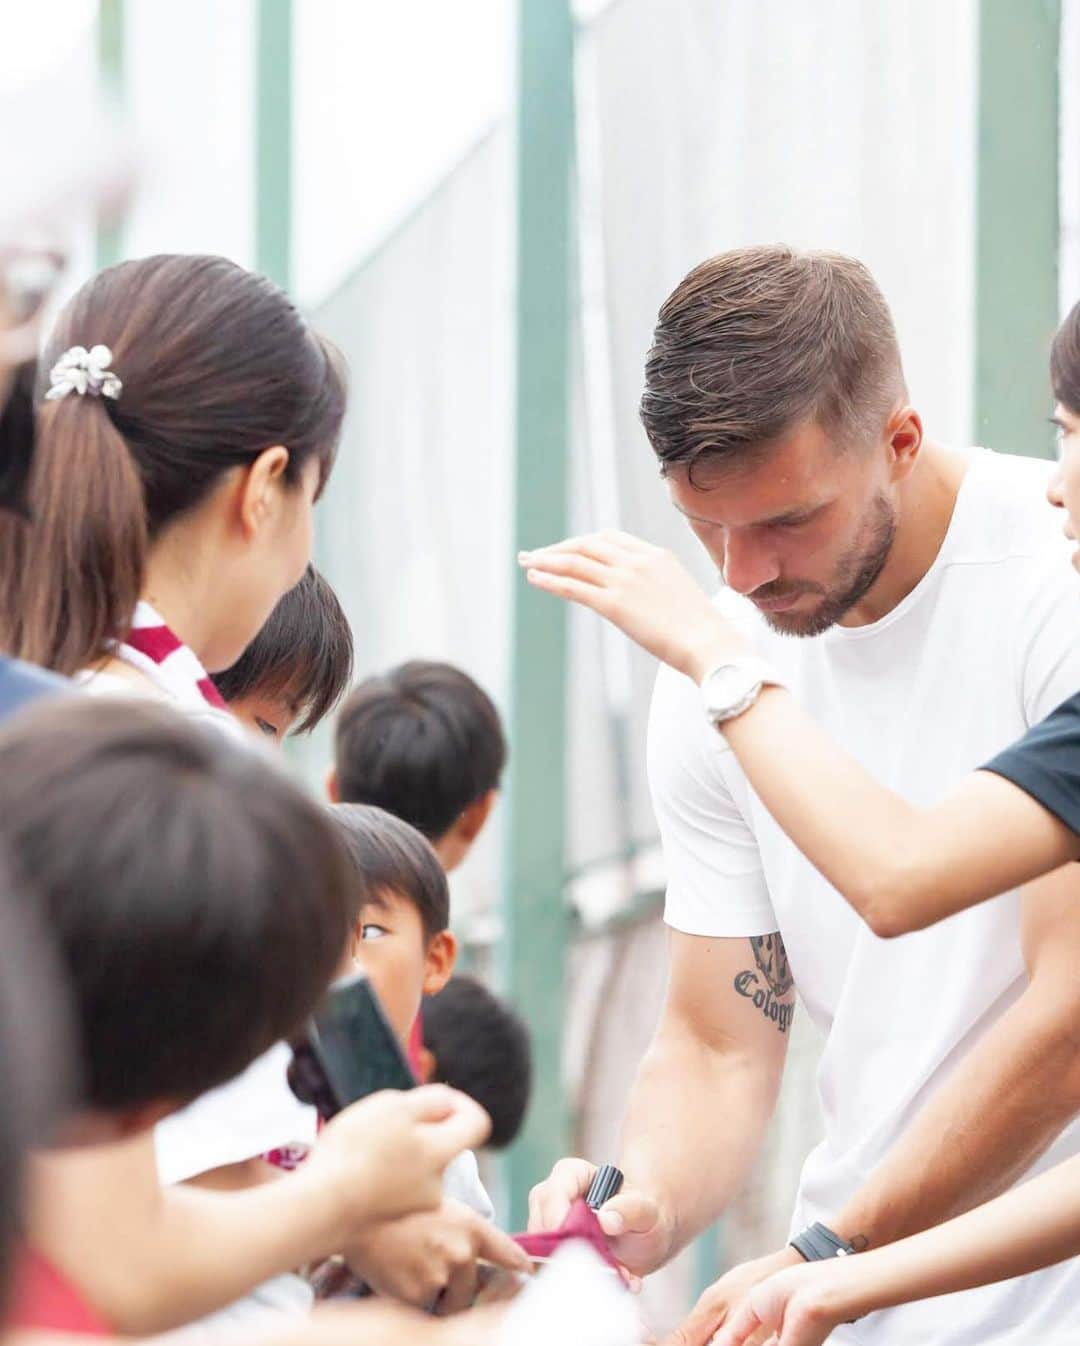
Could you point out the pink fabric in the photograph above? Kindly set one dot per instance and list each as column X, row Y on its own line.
column 582, row 1224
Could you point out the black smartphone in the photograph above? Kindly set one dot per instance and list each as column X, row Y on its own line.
column 348, row 1050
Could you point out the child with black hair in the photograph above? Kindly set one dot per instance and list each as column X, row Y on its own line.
column 476, row 1042
column 425, row 742
column 401, row 941
column 199, row 903
column 297, row 667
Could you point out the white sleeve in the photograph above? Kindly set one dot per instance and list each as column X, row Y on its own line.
column 252, row 1114
column 715, row 882
column 1049, row 635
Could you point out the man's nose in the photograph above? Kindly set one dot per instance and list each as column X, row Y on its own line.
column 1055, row 491
column 748, row 564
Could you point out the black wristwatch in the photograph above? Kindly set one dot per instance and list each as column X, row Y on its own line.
column 818, row 1243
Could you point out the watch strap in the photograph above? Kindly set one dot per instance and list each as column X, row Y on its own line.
column 819, row 1243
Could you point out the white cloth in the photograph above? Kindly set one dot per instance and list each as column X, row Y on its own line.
column 461, row 1181
column 984, row 646
column 251, row 1114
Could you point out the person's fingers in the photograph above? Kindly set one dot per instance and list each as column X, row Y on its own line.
column 628, row 1213
column 598, row 546
column 739, row 1328
column 705, row 1319
column 464, row 1126
column 575, row 591
column 572, row 565
column 550, row 1200
column 495, row 1246
column 459, row 1290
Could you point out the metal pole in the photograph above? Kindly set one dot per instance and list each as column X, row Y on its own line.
column 273, row 139
column 535, row 906
column 1016, row 272
column 109, row 229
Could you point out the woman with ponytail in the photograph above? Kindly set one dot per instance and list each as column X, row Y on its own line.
column 190, row 423
column 186, row 422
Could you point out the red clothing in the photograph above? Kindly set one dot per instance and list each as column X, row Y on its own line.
column 43, row 1297
column 415, row 1047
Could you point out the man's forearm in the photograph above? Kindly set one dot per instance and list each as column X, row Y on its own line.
column 1005, row 1103
column 695, row 1121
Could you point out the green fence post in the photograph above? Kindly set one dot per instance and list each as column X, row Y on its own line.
column 273, row 139
column 109, row 230
column 533, row 954
column 1017, row 224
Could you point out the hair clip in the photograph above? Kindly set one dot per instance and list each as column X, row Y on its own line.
column 84, row 371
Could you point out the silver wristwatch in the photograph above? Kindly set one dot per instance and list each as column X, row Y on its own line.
column 730, row 688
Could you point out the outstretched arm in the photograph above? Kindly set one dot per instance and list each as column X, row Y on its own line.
column 900, row 867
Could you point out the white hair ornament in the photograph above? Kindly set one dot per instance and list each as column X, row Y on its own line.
column 85, row 372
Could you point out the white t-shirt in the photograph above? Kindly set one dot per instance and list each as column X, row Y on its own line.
column 985, row 645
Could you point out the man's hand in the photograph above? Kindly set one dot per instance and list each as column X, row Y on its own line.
column 430, row 1259
column 725, row 1299
column 640, row 1237
column 384, row 1157
column 644, row 591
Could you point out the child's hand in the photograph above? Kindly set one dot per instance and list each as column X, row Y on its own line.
column 790, row 1308
column 431, row 1259
column 384, row 1157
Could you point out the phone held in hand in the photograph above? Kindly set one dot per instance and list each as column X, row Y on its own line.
column 347, row 1051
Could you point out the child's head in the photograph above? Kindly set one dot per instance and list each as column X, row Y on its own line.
column 297, row 667
column 480, row 1045
column 399, row 937
column 198, row 900
column 424, row 742
column 193, row 420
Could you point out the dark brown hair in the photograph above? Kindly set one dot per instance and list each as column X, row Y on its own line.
column 757, row 340
column 423, row 741
column 304, row 653
column 1065, row 362
column 199, row 900
column 217, row 366
column 389, row 856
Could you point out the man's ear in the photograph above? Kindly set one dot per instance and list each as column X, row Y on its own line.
column 439, row 964
column 474, row 816
column 331, row 786
column 904, row 435
column 257, row 487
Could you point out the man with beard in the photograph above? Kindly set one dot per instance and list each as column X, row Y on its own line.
column 916, row 599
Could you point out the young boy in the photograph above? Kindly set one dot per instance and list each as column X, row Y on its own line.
column 475, row 1042
column 425, row 743
column 199, row 903
column 401, row 940
column 297, row 667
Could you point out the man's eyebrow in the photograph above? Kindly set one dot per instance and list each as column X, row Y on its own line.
column 788, row 516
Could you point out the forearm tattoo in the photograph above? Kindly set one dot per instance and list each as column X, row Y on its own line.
column 770, row 984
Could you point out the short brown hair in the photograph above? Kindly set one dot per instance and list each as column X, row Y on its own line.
column 756, row 340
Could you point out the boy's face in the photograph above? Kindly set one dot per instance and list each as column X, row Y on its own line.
column 389, row 944
column 269, row 716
